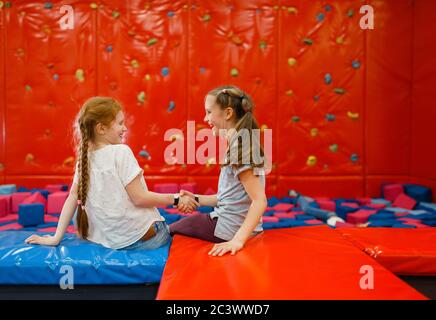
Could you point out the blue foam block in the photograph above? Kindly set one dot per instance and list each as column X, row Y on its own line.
column 43, row 192
column 273, row 201
column 406, row 226
column 269, row 213
column 7, row 189
column 343, row 211
column 382, row 216
column 23, row 189
column 426, row 206
column 91, row 263
column 382, row 201
column 171, row 218
column 382, row 223
column 290, row 223
column 205, row 209
column 31, row 214
column 304, row 217
column 64, row 187
column 431, row 223
column 418, row 192
column 288, row 200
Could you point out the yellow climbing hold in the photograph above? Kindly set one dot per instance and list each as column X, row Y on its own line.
column 289, row 93
column 146, row 167
column 93, row 5
column 2, row 166
column 115, row 14
column 151, row 42
column 147, row 77
column 276, row 7
column 263, row 127
column 234, row 72
column 141, row 97
column 1, row 4
column 30, row 157
column 314, row 132
column 206, row 17
column 134, row 63
column 292, row 10
column 340, row 40
column 311, row 161
column 353, row 115
column 80, row 75
column 292, row 62
column 68, row 162
column 46, row 29
column 210, row 162
column 27, row 87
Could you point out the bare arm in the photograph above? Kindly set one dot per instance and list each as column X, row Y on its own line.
column 67, row 213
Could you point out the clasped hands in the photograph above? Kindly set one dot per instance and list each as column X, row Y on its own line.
column 187, row 202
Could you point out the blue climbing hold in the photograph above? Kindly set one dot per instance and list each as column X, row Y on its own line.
column 328, row 8
column 202, row 69
column 316, row 98
column 48, row 5
column 144, row 154
column 354, row 157
column 171, row 106
column 170, row 14
column 330, row 117
column 355, row 64
column 165, row 71
column 109, row 48
column 328, row 78
column 56, row 76
column 320, row 17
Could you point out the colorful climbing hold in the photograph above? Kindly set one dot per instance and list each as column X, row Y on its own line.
column 151, row 42
column 262, row 44
column 314, row 132
column 171, row 106
column 311, row 161
column 55, row 76
column 333, row 147
column 147, row 77
column 165, row 71
column 206, row 18
column 109, row 48
column 48, row 5
column 134, row 63
column 320, row 17
column 350, row 13
column 20, row 52
column 68, row 162
column 80, row 75
column 340, row 40
column 234, row 72
column 307, row 41
column 46, row 29
column 8, row 4
column 170, row 14
column 289, row 93
column 202, row 69
column 353, row 115
column 1, row 4
column 295, row 119
column 210, row 162
column 29, row 157
column 115, row 14
column 263, row 127
column 2, row 166
column 316, row 98
column 145, row 154
column 339, row 90
column 140, row 97
column 327, row 8
column 292, row 61
column 328, row 78
column 93, row 5
column 330, row 117
column 292, row 10
column 355, row 64
column 354, row 157
column 27, row 87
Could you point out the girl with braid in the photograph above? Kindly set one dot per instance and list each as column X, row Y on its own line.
column 114, row 206
column 241, row 200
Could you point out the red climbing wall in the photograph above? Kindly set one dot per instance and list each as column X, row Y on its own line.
column 338, row 99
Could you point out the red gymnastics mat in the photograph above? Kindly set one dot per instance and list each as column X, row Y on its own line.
column 402, row 251
column 295, row 263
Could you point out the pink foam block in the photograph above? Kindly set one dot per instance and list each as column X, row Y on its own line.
column 270, row 219
column 418, row 224
column 343, row 225
column 189, row 186
column 290, row 215
column 404, row 201
column 9, row 217
column 360, row 216
column 401, row 214
column 350, row 204
column 327, row 205
column 392, row 191
column 36, row 198
column 409, row 220
column 283, row 207
column 166, row 187
column 7, row 204
column 52, row 188
column 3, row 208
column 376, row 205
column 48, row 218
column 18, row 198
column 56, row 201
column 11, row 226
column 364, row 201
column 313, row 222
column 172, row 210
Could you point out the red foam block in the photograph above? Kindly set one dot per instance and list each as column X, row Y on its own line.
column 404, row 201
column 392, row 191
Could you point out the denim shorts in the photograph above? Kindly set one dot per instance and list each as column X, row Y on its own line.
column 161, row 238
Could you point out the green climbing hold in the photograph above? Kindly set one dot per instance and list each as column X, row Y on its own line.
column 93, row 5
column 206, row 18
column 141, row 97
column 262, row 44
column 134, row 63
column 339, row 90
column 27, row 87
column 80, row 75
column 115, row 14
column 151, row 42
column 1, row 4
column 234, row 72
column 350, row 13
column 307, row 41
column 295, row 119
column 333, row 147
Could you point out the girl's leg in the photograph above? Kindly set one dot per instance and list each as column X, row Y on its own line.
column 200, row 226
column 318, row 213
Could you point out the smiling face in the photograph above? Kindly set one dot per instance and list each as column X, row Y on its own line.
column 216, row 117
column 113, row 134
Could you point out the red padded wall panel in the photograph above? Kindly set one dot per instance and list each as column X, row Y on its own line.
column 233, row 42
column 320, row 88
column 142, row 63
column 43, row 87
column 2, row 97
column 423, row 145
column 388, row 88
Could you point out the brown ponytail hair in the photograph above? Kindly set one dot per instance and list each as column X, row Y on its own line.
column 243, row 107
column 95, row 110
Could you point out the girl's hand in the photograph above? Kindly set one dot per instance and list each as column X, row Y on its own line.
column 231, row 246
column 46, row 240
column 187, row 202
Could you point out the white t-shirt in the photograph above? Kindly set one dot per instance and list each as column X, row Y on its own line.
column 114, row 221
